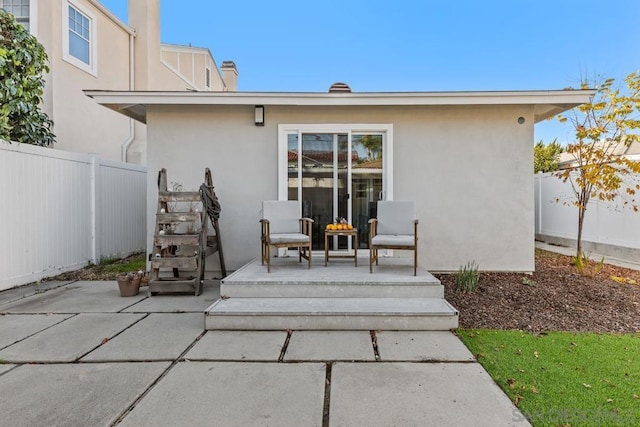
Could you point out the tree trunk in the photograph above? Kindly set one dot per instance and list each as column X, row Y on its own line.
column 581, row 212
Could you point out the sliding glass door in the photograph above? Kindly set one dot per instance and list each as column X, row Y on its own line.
column 335, row 175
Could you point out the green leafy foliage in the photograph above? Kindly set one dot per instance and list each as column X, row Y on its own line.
column 602, row 126
column 467, row 277
column 546, row 157
column 560, row 379
column 23, row 61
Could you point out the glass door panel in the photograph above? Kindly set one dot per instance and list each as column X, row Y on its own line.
column 292, row 166
column 317, row 162
column 336, row 175
column 366, row 182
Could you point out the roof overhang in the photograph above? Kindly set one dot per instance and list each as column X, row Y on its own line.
column 546, row 103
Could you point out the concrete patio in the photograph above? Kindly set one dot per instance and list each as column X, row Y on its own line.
column 79, row 354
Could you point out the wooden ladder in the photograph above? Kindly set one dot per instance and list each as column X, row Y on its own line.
column 181, row 242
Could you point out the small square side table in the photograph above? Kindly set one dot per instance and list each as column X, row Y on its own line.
column 353, row 233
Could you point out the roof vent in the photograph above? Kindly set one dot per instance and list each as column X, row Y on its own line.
column 339, row 87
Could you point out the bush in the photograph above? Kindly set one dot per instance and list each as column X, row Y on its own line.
column 467, row 277
column 23, row 61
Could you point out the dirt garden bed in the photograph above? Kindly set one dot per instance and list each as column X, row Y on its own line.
column 555, row 297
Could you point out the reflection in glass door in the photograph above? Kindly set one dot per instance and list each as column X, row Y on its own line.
column 366, row 182
column 335, row 175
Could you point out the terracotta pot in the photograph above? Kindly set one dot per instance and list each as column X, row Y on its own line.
column 129, row 287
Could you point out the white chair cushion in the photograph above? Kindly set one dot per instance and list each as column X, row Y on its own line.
column 396, row 217
column 393, row 240
column 288, row 238
column 283, row 215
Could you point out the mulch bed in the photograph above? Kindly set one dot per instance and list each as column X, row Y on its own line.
column 554, row 298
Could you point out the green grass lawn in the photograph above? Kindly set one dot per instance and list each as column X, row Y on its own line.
column 114, row 266
column 564, row 379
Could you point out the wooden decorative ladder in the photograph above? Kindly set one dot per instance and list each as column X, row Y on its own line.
column 181, row 242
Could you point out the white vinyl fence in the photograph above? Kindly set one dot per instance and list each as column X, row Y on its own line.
column 62, row 210
column 606, row 223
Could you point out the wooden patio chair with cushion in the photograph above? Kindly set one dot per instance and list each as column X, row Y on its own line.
column 282, row 227
column 395, row 227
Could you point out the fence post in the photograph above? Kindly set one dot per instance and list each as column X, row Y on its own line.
column 95, row 208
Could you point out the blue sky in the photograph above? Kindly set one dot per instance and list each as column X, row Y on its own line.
column 373, row 45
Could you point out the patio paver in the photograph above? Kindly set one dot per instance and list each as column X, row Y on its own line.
column 160, row 336
column 6, row 368
column 88, row 297
column 234, row 394
column 20, row 292
column 330, row 345
column 85, row 394
column 16, row 327
column 177, row 303
column 69, row 340
column 422, row 346
column 239, row 345
column 412, row 394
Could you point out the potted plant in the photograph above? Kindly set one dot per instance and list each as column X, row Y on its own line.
column 129, row 284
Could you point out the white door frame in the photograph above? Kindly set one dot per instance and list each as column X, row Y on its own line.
column 387, row 150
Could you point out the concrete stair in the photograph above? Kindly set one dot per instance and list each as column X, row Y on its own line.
column 337, row 297
column 424, row 314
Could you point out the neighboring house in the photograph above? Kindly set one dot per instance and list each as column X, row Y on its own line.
column 89, row 48
column 631, row 151
column 445, row 150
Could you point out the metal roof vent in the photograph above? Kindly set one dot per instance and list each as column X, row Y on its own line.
column 339, row 87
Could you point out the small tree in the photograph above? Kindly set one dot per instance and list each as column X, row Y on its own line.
column 23, row 61
column 603, row 125
column 546, row 157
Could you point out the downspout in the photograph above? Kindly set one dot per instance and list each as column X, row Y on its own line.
column 132, row 126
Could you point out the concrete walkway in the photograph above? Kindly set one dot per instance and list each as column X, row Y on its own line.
column 78, row 354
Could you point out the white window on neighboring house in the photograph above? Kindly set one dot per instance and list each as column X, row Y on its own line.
column 79, row 37
column 207, row 75
column 19, row 9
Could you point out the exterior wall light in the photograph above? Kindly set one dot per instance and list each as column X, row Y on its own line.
column 259, row 115
column 520, row 120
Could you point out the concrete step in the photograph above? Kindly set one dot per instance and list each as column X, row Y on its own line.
column 425, row 314
column 291, row 279
column 330, row 290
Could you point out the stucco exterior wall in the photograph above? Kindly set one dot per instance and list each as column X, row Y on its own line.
column 183, row 67
column 80, row 124
column 469, row 169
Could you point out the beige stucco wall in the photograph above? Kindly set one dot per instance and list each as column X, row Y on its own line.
column 183, row 67
column 468, row 168
column 80, row 124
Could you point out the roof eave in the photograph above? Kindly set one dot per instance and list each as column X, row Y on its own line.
column 546, row 103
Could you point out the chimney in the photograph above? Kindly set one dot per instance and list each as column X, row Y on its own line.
column 144, row 17
column 229, row 76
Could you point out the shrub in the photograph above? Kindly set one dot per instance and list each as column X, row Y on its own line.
column 23, row 61
column 467, row 277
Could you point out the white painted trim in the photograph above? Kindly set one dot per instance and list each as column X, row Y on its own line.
column 179, row 74
column 164, row 47
column 387, row 146
column 91, row 68
column 207, row 71
column 33, row 17
column 112, row 17
column 567, row 98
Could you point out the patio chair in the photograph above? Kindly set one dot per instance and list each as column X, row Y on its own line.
column 395, row 227
column 282, row 227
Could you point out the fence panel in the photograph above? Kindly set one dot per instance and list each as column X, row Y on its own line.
column 61, row 210
column 605, row 222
